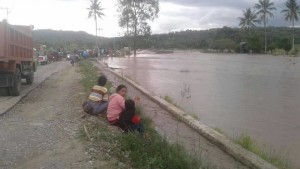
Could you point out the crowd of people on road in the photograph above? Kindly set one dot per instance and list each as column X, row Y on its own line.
column 119, row 111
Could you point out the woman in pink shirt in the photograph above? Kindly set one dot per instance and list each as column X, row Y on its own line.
column 116, row 105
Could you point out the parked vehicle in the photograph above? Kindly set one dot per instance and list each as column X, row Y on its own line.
column 35, row 59
column 41, row 53
column 16, row 57
column 55, row 56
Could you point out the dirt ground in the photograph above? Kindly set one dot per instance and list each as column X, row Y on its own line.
column 42, row 130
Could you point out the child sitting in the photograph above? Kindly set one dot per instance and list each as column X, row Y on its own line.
column 97, row 101
column 128, row 120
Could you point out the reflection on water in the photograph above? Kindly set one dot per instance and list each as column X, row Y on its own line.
column 257, row 94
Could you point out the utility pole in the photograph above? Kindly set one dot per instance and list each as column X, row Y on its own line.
column 98, row 50
column 7, row 12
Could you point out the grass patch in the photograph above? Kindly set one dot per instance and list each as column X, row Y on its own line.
column 195, row 116
column 90, row 75
column 134, row 150
column 270, row 155
column 155, row 152
column 171, row 101
column 219, row 130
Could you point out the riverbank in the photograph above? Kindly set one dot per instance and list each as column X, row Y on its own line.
column 252, row 94
column 177, row 125
column 132, row 150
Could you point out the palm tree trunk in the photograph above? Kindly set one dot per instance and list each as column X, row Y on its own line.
column 96, row 26
column 96, row 23
column 265, row 34
column 134, row 39
column 249, row 32
column 293, row 47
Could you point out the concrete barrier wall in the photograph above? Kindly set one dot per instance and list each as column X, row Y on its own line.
column 247, row 158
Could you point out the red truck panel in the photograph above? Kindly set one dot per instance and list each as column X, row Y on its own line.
column 15, row 43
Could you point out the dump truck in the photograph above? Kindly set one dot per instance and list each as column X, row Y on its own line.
column 16, row 57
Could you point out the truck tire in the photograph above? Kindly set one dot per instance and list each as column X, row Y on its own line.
column 29, row 78
column 3, row 91
column 15, row 89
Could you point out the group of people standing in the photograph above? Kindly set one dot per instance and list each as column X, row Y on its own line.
column 119, row 111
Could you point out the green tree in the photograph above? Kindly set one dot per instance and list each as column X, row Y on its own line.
column 285, row 44
column 248, row 20
column 255, row 43
column 291, row 14
column 265, row 8
column 135, row 14
column 95, row 12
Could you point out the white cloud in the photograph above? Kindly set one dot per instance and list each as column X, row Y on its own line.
column 174, row 15
column 61, row 15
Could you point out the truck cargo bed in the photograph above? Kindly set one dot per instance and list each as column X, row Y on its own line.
column 15, row 43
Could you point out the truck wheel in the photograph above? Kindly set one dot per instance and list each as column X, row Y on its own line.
column 15, row 89
column 3, row 91
column 29, row 78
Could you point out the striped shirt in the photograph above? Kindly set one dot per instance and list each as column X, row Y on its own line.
column 98, row 93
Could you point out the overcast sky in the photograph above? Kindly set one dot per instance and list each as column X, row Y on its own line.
column 174, row 15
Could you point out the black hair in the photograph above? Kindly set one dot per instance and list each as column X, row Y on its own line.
column 120, row 87
column 102, row 80
column 129, row 104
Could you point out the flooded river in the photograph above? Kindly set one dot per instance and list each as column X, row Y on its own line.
column 254, row 94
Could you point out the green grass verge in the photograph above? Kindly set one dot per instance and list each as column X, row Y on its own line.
column 270, row 155
column 90, row 75
column 134, row 150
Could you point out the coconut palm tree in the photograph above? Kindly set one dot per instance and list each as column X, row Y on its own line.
column 265, row 8
column 291, row 14
column 248, row 20
column 95, row 12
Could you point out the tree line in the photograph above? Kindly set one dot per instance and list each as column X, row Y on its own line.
column 220, row 39
column 263, row 10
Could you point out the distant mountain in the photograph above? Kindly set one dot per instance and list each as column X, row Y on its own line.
column 64, row 39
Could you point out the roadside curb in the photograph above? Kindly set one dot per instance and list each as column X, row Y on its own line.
column 248, row 158
column 17, row 99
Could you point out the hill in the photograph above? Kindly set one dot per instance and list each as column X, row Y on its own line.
column 64, row 39
column 219, row 39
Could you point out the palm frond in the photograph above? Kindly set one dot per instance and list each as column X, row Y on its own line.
column 90, row 14
column 95, row 9
column 291, row 11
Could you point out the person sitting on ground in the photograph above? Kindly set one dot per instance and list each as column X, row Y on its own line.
column 98, row 98
column 116, row 105
column 128, row 120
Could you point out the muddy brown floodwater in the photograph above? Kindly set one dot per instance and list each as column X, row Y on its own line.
column 256, row 94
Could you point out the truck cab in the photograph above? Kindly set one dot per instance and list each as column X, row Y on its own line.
column 41, row 53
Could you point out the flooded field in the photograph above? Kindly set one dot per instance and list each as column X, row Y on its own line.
column 254, row 94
